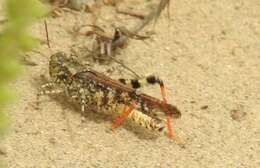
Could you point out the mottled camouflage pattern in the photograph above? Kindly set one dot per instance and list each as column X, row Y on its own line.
column 95, row 91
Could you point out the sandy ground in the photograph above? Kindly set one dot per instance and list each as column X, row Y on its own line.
column 209, row 59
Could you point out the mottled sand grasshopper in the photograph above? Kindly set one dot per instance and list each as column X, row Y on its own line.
column 93, row 90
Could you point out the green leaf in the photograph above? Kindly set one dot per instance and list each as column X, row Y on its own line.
column 25, row 12
column 3, row 122
column 8, row 69
column 14, row 38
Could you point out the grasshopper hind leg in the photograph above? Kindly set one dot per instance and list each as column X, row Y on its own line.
column 122, row 117
column 152, row 80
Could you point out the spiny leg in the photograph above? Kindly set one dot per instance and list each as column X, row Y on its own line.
column 49, row 88
column 142, row 119
column 151, row 80
column 82, row 97
column 169, row 121
column 108, row 48
column 123, row 117
column 83, row 102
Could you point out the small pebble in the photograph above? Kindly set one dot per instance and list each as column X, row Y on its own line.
column 167, row 48
column 3, row 151
column 237, row 115
column 204, row 107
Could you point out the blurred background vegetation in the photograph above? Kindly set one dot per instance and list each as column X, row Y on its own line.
column 14, row 39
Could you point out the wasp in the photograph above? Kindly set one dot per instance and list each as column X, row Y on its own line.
column 94, row 90
column 105, row 45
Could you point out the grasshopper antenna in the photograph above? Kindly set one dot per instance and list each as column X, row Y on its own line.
column 123, row 65
column 120, row 63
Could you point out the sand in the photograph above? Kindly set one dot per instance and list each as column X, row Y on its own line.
column 208, row 55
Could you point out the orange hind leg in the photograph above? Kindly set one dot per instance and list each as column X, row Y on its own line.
column 119, row 121
column 169, row 121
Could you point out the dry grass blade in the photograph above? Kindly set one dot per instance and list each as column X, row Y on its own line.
column 154, row 15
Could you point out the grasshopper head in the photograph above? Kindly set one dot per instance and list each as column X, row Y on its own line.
column 62, row 67
column 58, row 67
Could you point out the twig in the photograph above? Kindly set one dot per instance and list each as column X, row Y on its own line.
column 47, row 34
column 154, row 15
column 90, row 25
column 131, row 13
